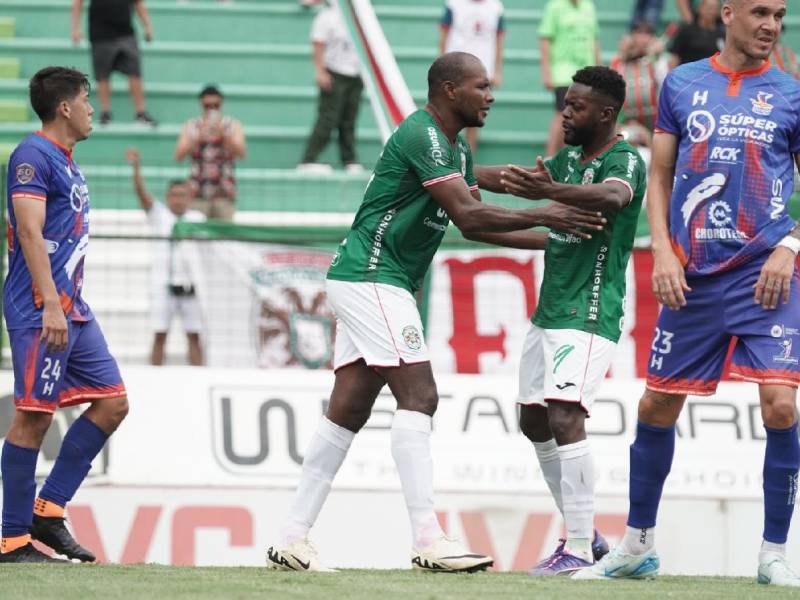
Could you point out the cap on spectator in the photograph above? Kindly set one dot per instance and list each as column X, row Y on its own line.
column 210, row 90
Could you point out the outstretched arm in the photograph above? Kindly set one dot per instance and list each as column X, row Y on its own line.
column 490, row 177
column 145, row 199
column 472, row 216
column 538, row 185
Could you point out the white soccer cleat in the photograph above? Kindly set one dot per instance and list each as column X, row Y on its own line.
column 447, row 555
column 774, row 570
column 298, row 556
column 617, row 565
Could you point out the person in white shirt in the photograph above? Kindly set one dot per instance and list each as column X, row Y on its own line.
column 477, row 27
column 172, row 290
column 337, row 71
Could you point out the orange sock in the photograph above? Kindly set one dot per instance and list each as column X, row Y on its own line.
column 45, row 508
column 10, row 544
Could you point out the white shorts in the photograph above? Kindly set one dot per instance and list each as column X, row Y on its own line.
column 377, row 322
column 165, row 306
column 563, row 365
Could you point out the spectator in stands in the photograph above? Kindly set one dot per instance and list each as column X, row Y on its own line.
column 647, row 11
column 337, row 71
column 171, row 286
column 784, row 58
column 477, row 27
column 637, row 61
column 213, row 142
column 568, row 42
column 114, row 48
column 698, row 39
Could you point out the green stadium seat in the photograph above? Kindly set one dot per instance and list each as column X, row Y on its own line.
column 13, row 110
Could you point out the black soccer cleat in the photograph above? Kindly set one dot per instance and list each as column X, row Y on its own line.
column 52, row 532
column 28, row 554
column 599, row 546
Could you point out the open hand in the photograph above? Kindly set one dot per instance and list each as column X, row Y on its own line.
column 533, row 185
column 669, row 280
column 775, row 279
column 573, row 220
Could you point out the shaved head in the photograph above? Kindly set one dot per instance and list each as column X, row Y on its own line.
column 453, row 67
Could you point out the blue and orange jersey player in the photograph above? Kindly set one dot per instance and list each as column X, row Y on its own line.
column 59, row 354
column 725, row 250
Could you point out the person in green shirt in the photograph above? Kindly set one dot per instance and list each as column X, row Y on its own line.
column 578, row 319
column 423, row 179
column 567, row 42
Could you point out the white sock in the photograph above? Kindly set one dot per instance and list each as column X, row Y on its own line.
column 577, row 491
column 411, row 449
column 550, row 463
column 322, row 461
column 637, row 540
column 770, row 548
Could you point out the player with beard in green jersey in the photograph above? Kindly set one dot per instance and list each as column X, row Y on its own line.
column 423, row 179
column 578, row 320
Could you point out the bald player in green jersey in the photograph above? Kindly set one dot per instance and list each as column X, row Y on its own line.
column 423, row 179
column 578, row 320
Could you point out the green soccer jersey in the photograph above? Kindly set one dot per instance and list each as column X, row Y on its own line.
column 584, row 280
column 398, row 226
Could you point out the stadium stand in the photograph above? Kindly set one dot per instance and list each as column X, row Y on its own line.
column 258, row 52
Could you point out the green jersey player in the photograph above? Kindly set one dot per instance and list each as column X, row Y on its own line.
column 423, row 179
column 578, row 320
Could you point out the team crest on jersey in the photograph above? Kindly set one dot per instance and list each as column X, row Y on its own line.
column 588, row 176
column 25, row 173
column 411, row 337
column 761, row 105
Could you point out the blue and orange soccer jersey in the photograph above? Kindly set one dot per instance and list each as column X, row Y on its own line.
column 40, row 168
column 733, row 175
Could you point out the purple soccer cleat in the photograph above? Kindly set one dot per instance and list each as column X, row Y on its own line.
column 559, row 562
column 563, row 563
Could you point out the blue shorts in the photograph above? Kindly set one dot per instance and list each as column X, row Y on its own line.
column 45, row 380
column 690, row 345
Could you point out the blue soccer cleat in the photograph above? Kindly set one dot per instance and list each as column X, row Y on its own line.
column 617, row 565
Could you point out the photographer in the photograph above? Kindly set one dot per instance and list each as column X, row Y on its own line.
column 213, row 142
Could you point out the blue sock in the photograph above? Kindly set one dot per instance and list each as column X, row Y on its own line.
column 18, row 468
column 84, row 440
column 781, row 462
column 651, row 460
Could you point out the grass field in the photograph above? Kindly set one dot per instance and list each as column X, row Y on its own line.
column 150, row 582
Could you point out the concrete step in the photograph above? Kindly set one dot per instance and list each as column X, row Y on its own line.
column 241, row 63
column 292, row 105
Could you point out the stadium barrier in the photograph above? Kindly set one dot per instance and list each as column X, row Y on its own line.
column 203, row 469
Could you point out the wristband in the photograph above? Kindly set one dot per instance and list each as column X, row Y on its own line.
column 790, row 242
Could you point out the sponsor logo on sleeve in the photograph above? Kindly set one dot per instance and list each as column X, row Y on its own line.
column 436, row 154
column 25, row 173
